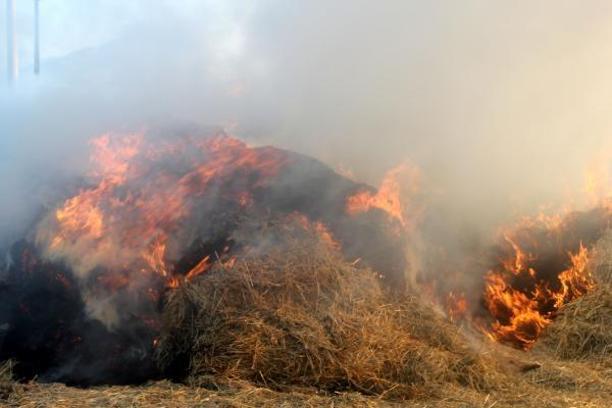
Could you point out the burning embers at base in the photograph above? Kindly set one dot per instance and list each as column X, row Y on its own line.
column 542, row 265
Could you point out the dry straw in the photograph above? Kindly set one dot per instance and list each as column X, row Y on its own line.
column 300, row 316
column 583, row 327
column 6, row 379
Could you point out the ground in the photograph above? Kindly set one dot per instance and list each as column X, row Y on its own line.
column 533, row 380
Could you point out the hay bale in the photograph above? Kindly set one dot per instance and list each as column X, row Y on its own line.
column 300, row 316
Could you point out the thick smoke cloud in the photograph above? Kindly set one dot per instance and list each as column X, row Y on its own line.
column 502, row 105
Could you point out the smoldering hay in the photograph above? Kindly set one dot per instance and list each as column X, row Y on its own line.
column 84, row 288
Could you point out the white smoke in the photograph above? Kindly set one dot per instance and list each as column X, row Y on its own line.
column 501, row 104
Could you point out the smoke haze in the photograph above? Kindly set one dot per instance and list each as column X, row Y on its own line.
column 502, row 104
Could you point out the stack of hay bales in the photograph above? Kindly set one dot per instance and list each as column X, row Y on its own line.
column 299, row 316
column 583, row 328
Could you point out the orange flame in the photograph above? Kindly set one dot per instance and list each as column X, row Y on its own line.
column 456, row 306
column 576, row 280
column 124, row 221
column 318, row 227
column 598, row 180
column 522, row 302
column 388, row 198
column 199, row 269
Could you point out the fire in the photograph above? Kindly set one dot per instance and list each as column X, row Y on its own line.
column 598, row 180
column 576, row 280
column 199, row 269
column 156, row 212
column 173, row 283
column 154, row 256
column 519, row 320
column 456, row 306
column 535, row 277
column 517, row 263
column 141, row 193
column 125, row 227
column 389, row 196
column 112, row 154
column 318, row 227
column 543, row 261
column 79, row 215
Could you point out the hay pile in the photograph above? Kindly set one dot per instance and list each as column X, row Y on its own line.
column 583, row 328
column 301, row 317
column 171, row 395
column 6, row 379
column 601, row 264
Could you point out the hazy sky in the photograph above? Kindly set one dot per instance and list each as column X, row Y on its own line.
column 499, row 102
column 71, row 25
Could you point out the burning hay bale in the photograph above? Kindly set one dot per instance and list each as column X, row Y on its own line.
column 583, row 328
column 300, row 316
column 81, row 290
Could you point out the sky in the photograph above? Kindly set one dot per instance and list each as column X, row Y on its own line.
column 503, row 104
column 71, row 25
